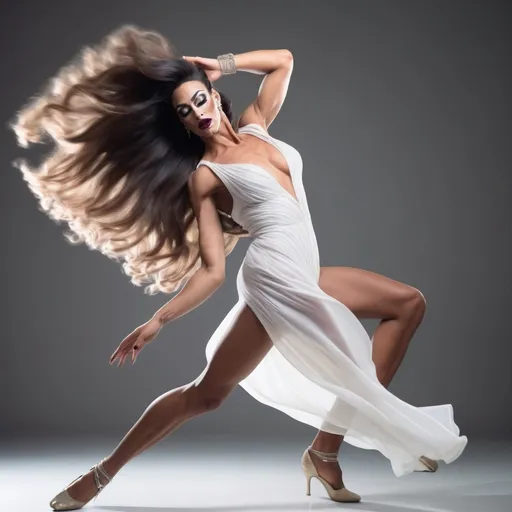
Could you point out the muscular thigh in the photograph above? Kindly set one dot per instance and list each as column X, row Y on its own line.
column 241, row 350
column 365, row 293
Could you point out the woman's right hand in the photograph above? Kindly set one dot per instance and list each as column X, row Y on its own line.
column 210, row 66
column 136, row 341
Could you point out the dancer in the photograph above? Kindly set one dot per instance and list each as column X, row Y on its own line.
column 150, row 169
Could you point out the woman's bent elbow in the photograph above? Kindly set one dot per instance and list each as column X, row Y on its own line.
column 287, row 56
column 217, row 274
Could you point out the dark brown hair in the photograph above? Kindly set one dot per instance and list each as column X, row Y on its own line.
column 118, row 172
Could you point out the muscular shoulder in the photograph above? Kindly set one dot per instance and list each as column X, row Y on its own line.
column 202, row 182
column 251, row 115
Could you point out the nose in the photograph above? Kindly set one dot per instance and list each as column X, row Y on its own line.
column 198, row 114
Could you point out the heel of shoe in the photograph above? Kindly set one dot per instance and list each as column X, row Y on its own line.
column 308, row 485
column 339, row 495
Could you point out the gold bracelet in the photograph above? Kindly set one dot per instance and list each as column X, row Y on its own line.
column 227, row 64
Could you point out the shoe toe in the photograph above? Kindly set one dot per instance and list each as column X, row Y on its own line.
column 63, row 501
column 351, row 497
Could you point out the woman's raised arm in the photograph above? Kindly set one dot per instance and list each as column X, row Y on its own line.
column 277, row 65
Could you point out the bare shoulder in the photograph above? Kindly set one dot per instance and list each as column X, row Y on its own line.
column 251, row 115
column 203, row 182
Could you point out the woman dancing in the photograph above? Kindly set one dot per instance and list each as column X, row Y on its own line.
column 150, row 169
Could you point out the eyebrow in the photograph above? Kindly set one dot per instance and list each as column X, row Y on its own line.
column 192, row 99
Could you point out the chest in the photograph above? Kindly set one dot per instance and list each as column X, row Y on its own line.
column 279, row 160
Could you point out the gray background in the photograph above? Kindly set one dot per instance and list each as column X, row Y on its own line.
column 401, row 112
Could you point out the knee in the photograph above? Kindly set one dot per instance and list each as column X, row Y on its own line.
column 211, row 402
column 209, row 398
column 414, row 303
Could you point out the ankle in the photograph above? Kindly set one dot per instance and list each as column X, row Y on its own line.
column 327, row 454
column 324, row 447
column 110, row 467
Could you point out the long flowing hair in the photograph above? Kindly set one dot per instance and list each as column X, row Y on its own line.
column 121, row 159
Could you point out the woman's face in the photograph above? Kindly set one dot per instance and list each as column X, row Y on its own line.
column 197, row 108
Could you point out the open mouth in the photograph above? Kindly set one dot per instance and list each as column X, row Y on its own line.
column 205, row 123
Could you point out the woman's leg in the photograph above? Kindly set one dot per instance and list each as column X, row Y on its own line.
column 400, row 308
column 240, row 352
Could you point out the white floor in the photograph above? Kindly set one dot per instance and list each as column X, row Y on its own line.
column 222, row 475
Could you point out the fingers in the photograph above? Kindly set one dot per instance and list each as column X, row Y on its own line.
column 132, row 345
column 122, row 358
column 125, row 345
column 124, row 350
column 119, row 350
column 198, row 61
column 135, row 352
column 116, row 354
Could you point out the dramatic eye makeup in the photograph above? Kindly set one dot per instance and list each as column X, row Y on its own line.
column 199, row 98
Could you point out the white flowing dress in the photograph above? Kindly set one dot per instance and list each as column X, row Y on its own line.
column 320, row 369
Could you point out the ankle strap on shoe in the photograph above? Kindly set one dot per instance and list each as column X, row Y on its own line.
column 98, row 468
column 325, row 456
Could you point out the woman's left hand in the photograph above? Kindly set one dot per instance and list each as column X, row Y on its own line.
column 210, row 66
column 136, row 341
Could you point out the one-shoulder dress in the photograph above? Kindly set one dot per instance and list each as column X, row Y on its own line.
column 319, row 370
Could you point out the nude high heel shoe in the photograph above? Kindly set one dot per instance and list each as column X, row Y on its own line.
column 63, row 501
column 342, row 494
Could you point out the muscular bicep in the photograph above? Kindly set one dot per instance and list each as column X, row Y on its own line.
column 271, row 94
column 211, row 237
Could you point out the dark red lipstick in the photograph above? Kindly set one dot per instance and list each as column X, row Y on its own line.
column 205, row 123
